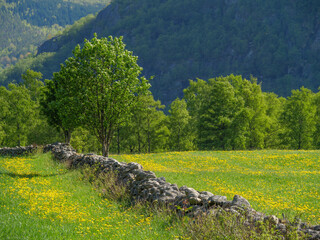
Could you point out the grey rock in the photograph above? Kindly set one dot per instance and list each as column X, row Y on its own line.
column 162, row 179
column 175, row 187
column 227, row 204
column 205, row 193
column 132, row 166
column 240, row 201
column 316, row 228
column 194, row 201
column 141, row 175
column 190, row 192
column 150, row 183
column 217, row 200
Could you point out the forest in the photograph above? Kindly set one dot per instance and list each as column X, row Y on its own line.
column 26, row 24
column 223, row 70
column 275, row 41
column 224, row 113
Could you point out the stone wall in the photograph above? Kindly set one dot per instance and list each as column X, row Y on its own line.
column 146, row 186
column 17, row 151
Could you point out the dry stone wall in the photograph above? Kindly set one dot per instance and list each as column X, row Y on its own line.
column 17, row 151
column 146, row 186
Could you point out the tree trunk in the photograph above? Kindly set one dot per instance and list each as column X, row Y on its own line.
column 106, row 141
column 118, row 141
column 105, row 148
column 67, row 136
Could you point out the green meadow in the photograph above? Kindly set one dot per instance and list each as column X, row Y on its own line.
column 41, row 199
column 275, row 182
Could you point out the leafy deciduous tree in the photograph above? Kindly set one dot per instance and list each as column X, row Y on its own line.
column 180, row 137
column 20, row 117
column 99, row 84
column 298, row 119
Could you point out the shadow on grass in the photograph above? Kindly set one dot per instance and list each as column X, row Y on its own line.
column 31, row 175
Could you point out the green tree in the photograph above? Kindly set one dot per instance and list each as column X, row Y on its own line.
column 102, row 81
column 316, row 136
column 56, row 104
column 272, row 124
column 32, row 81
column 298, row 119
column 228, row 112
column 196, row 95
column 180, row 137
column 40, row 132
column 84, row 141
column 253, row 114
column 4, row 110
column 217, row 114
column 20, row 115
column 146, row 131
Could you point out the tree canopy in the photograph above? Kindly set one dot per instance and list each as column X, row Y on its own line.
column 98, row 86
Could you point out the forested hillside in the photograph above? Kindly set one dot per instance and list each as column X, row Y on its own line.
column 25, row 24
column 176, row 40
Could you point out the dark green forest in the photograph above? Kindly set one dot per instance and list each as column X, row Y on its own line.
column 278, row 42
column 223, row 72
column 26, row 24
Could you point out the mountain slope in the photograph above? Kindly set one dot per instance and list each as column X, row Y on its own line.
column 25, row 24
column 176, row 40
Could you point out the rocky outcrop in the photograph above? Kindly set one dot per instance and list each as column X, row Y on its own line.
column 17, row 151
column 146, row 186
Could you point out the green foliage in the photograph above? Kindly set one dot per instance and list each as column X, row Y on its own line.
column 27, row 23
column 146, row 130
column 49, row 109
column 272, row 124
column 97, row 88
column 84, row 141
column 217, row 115
column 316, row 135
column 21, row 115
column 32, row 81
column 181, row 40
column 20, row 119
column 51, row 12
column 181, row 138
column 228, row 113
column 14, row 72
column 298, row 119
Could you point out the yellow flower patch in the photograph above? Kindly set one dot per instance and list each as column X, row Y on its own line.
column 39, row 195
column 275, row 182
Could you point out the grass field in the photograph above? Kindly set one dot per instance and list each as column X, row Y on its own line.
column 40, row 199
column 274, row 182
